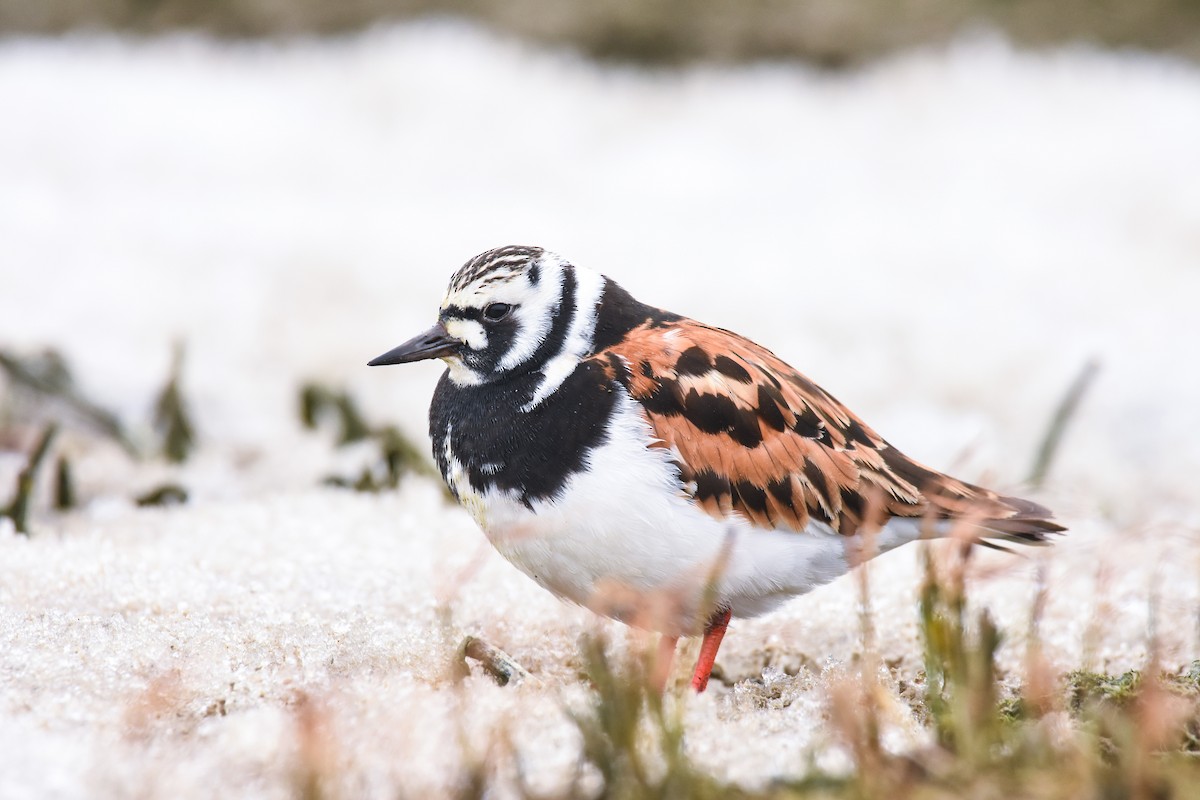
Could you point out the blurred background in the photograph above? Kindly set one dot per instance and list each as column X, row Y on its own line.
column 827, row 32
column 939, row 210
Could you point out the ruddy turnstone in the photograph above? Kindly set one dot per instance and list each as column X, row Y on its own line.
column 601, row 442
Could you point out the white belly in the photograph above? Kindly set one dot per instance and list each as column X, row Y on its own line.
column 624, row 540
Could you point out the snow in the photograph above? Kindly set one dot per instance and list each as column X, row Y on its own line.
column 941, row 240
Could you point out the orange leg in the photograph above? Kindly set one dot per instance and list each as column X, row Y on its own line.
column 714, row 632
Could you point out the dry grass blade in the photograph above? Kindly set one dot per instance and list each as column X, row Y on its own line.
column 632, row 738
column 64, row 485
column 171, row 416
column 18, row 510
column 315, row 770
column 1058, row 423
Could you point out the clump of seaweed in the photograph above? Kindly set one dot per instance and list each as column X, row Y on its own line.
column 397, row 455
column 167, row 494
column 318, row 401
column 42, row 386
column 48, row 379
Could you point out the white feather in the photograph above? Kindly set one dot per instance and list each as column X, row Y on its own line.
column 536, row 302
column 589, row 286
column 469, row 331
column 623, row 521
column 460, row 373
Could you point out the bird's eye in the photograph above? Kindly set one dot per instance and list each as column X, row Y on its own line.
column 497, row 311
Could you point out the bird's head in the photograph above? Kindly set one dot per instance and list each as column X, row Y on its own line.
column 507, row 312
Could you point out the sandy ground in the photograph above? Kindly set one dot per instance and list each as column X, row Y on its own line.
column 941, row 240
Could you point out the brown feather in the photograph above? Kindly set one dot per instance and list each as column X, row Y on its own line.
column 755, row 438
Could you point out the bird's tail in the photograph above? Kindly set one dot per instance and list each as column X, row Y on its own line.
column 1028, row 523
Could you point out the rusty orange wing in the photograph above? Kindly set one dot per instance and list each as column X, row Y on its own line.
column 755, row 438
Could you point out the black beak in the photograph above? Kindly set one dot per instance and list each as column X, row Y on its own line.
column 433, row 343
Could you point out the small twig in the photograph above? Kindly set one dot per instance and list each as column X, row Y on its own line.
column 497, row 663
column 19, row 510
column 1058, row 423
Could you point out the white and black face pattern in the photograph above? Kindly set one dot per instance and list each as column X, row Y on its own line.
column 518, row 309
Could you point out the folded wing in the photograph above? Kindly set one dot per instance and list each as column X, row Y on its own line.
column 755, row 438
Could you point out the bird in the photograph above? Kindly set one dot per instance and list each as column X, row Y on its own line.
column 611, row 449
